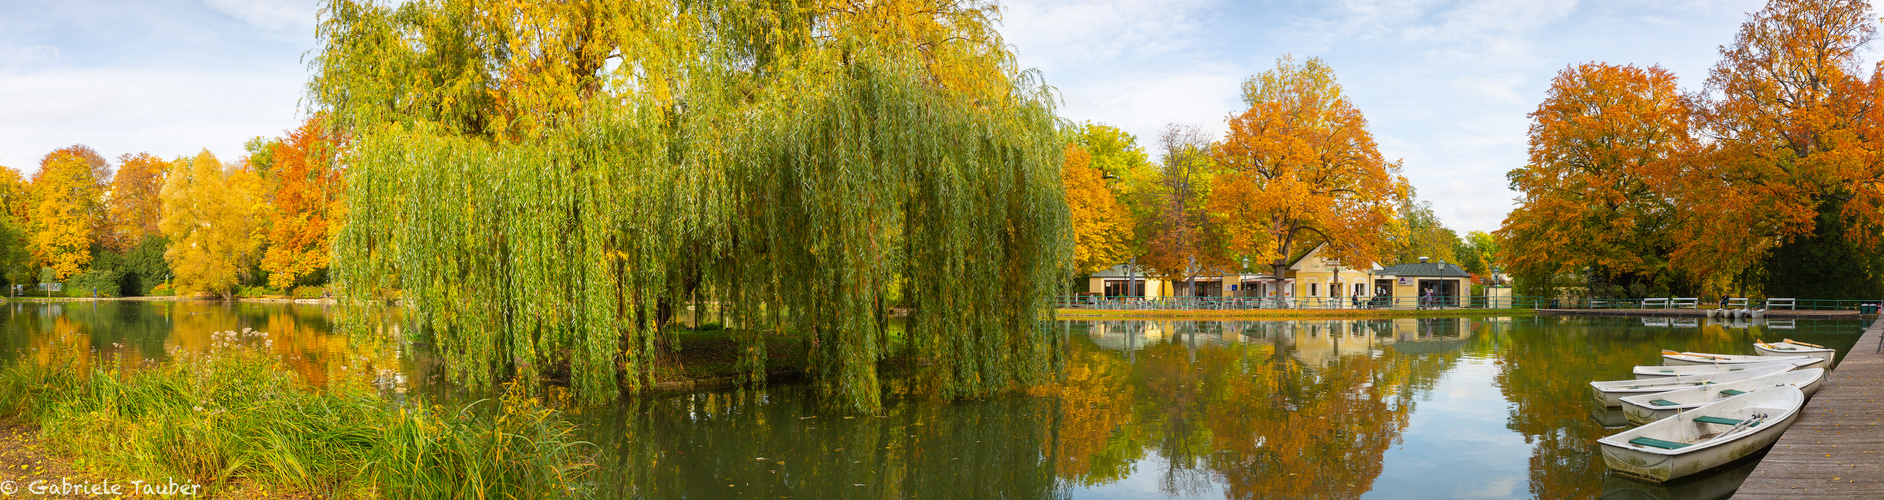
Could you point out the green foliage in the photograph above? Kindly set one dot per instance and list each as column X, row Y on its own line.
column 143, row 266
column 97, row 282
column 1827, row 264
column 546, row 195
column 257, row 291
column 1424, row 235
column 309, row 292
column 1114, row 152
column 261, row 155
column 132, row 272
column 236, row 418
column 16, row 262
column 1477, row 253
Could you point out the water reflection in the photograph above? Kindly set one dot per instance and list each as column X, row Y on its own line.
column 1404, row 408
column 139, row 333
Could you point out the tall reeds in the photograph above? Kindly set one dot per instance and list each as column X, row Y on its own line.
column 234, row 418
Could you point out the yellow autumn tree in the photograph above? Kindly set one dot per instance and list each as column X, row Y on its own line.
column 1301, row 164
column 13, row 194
column 210, row 213
column 1102, row 230
column 66, row 209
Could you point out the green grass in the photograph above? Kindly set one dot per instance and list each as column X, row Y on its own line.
column 236, row 420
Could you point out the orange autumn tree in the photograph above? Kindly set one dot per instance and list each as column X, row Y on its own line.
column 66, row 211
column 135, row 205
column 1788, row 189
column 1102, row 229
column 306, row 204
column 1300, row 164
column 1603, row 147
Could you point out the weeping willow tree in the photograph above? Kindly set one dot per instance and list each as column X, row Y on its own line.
column 545, row 182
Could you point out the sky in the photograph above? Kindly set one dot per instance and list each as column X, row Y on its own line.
column 1446, row 85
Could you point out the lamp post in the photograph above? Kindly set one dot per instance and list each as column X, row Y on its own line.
column 1334, row 292
column 1239, row 278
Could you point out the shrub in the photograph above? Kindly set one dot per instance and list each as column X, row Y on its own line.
column 96, row 282
column 256, row 291
column 309, row 292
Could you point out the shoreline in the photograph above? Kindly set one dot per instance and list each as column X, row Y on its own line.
column 1283, row 314
column 172, row 298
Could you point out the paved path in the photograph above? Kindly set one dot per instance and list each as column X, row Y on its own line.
column 1836, row 448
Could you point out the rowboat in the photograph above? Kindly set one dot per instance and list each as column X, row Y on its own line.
column 1658, row 371
column 1611, row 392
column 1705, row 437
column 1791, row 347
column 1673, row 358
column 1645, row 408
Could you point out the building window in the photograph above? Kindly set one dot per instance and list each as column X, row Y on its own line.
column 1314, row 289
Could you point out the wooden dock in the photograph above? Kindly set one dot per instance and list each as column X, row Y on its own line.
column 1836, row 449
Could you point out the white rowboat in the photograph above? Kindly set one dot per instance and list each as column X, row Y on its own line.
column 1654, row 371
column 1645, row 408
column 1611, row 392
column 1705, row 437
column 1794, row 348
column 1673, row 358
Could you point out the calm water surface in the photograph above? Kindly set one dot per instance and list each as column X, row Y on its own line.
column 1456, row 408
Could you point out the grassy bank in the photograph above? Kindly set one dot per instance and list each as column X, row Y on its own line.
column 1279, row 314
column 241, row 425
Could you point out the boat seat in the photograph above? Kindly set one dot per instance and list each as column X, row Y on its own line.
column 1664, row 402
column 1717, row 420
column 1666, row 445
column 1731, row 392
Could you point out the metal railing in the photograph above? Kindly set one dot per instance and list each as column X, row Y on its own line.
column 1238, row 303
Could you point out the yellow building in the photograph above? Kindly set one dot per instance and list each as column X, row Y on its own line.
column 1123, row 281
column 1427, row 284
column 1312, row 279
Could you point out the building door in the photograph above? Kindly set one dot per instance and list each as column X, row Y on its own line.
column 1444, row 293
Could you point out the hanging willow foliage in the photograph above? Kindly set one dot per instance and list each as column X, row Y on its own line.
column 545, row 182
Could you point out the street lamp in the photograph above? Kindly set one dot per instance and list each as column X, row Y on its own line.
column 1239, row 279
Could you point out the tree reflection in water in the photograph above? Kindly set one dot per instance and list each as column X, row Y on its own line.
column 1270, row 410
column 1276, row 409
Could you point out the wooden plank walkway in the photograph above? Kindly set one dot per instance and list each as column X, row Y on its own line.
column 1836, row 448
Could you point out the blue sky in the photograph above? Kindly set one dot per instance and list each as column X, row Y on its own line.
column 1446, row 85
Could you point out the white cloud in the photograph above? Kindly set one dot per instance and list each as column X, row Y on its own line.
column 1060, row 33
column 165, row 112
column 1143, row 103
column 16, row 58
column 277, row 15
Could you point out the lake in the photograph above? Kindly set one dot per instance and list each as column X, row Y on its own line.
column 1405, row 408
